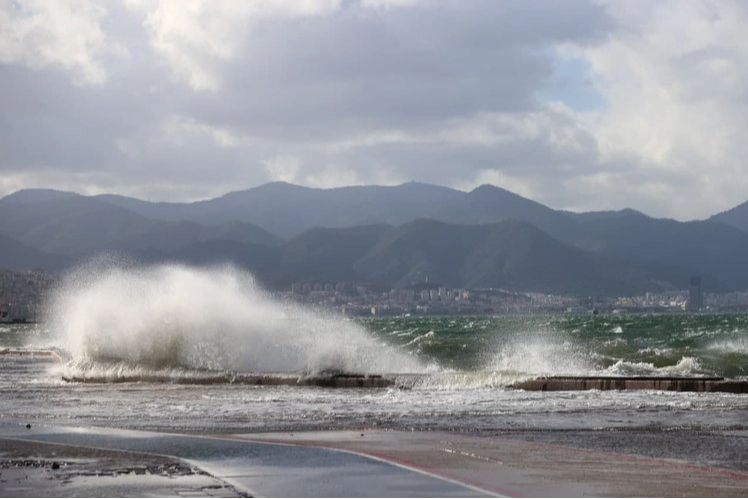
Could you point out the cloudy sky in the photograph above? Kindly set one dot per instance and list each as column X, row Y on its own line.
column 578, row 104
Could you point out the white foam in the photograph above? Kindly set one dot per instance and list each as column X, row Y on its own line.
column 173, row 316
column 459, row 380
column 541, row 354
column 684, row 367
column 738, row 345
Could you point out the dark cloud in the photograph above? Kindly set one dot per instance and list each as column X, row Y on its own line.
column 168, row 103
column 296, row 83
column 394, row 68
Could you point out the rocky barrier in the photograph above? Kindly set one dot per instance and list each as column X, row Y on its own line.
column 673, row 384
column 254, row 379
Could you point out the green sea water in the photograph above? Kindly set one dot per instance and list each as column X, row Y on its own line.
column 152, row 333
column 646, row 345
column 713, row 345
column 469, row 363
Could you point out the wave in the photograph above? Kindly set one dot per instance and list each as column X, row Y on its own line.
column 218, row 319
column 542, row 354
column 177, row 324
column 459, row 380
column 686, row 366
column 88, row 371
column 739, row 346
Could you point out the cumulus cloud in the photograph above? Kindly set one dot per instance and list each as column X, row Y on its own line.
column 580, row 105
column 198, row 38
column 63, row 33
column 672, row 75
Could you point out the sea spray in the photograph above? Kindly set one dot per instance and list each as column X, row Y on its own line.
column 542, row 353
column 177, row 317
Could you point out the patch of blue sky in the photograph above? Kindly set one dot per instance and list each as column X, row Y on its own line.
column 570, row 83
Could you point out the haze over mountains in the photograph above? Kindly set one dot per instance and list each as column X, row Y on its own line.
column 385, row 236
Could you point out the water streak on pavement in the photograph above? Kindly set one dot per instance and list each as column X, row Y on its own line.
column 264, row 469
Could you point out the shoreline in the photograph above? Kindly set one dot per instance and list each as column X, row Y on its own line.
column 346, row 380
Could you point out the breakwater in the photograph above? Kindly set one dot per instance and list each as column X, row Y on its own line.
column 347, row 380
column 251, row 379
column 675, row 384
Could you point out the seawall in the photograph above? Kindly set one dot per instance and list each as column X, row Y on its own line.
column 254, row 379
column 673, row 384
column 353, row 380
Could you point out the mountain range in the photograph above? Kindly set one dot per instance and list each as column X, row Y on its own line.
column 386, row 236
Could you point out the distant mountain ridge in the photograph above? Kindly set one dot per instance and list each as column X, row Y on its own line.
column 75, row 225
column 288, row 210
column 737, row 216
column 389, row 236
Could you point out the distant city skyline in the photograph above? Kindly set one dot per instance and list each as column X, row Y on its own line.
column 581, row 105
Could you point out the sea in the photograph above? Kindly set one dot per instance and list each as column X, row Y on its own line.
column 142, row 342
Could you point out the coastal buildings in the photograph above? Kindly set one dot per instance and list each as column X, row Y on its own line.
column 695, row 295
column 23, row 293
column 433, row 299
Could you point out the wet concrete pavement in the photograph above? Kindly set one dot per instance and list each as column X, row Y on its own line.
column 264, row 469
column 409, row 464
column 515, row 467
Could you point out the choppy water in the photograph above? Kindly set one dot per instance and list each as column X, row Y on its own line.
column 125, row 323
column 471, row 360
column 610, row 345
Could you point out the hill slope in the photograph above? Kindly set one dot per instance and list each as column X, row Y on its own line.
column 511, row 255
column 486, row 237
column 15, row 255
column 75, row 225
column 713, row 250
column 737, row 217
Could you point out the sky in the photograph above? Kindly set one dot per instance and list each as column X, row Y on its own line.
column 578, row 104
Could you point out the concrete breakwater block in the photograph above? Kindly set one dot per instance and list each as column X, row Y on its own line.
column 28, row 352
column 343, row 380
column 673, row 384
column 256, row 379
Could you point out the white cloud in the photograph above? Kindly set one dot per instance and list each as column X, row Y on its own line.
column 182, row 129
column 554, row 123
column 338, row 175
column 65, row 33
column 12, row 183
column 372, row 139
column 283, row 168
column 197, row 38
column 673, row 75
column 388, row 4
column 334, row 92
